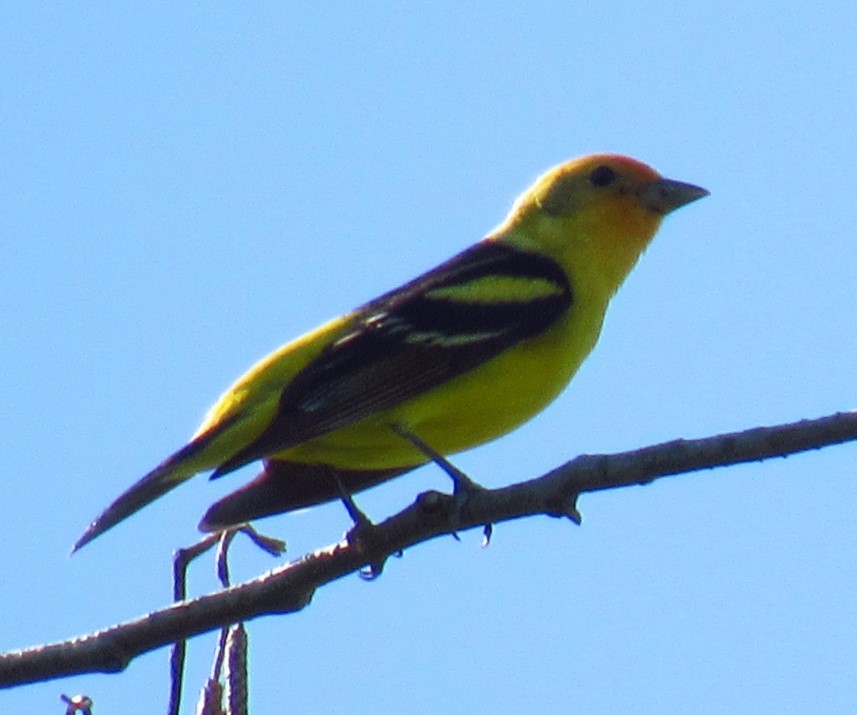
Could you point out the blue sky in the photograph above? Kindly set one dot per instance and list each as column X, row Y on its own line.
column 186, row 187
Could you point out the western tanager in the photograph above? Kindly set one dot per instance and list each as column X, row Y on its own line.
column 456, row 357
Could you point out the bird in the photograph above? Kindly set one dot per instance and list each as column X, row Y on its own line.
column 454, row 358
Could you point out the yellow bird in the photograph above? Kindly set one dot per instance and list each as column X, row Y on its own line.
column 457, row 357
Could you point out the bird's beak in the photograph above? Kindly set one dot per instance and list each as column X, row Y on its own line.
column 666, row 195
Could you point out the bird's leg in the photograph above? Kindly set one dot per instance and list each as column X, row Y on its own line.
column 463, row 487
column 462, row 484
column 358, row 516
column 362, row 531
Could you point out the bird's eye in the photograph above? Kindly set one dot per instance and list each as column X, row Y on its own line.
column 602, row 176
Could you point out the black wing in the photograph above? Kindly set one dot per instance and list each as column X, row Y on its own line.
column 440, row 325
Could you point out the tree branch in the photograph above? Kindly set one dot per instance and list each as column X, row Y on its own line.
column 290, row 587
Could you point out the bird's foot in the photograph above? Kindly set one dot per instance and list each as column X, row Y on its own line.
column 463, row 487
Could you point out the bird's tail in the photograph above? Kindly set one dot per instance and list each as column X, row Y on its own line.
column 181, row 466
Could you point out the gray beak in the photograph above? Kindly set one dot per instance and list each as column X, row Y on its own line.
column 666, row 195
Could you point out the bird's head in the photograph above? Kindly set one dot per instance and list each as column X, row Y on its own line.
column 606, row 206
